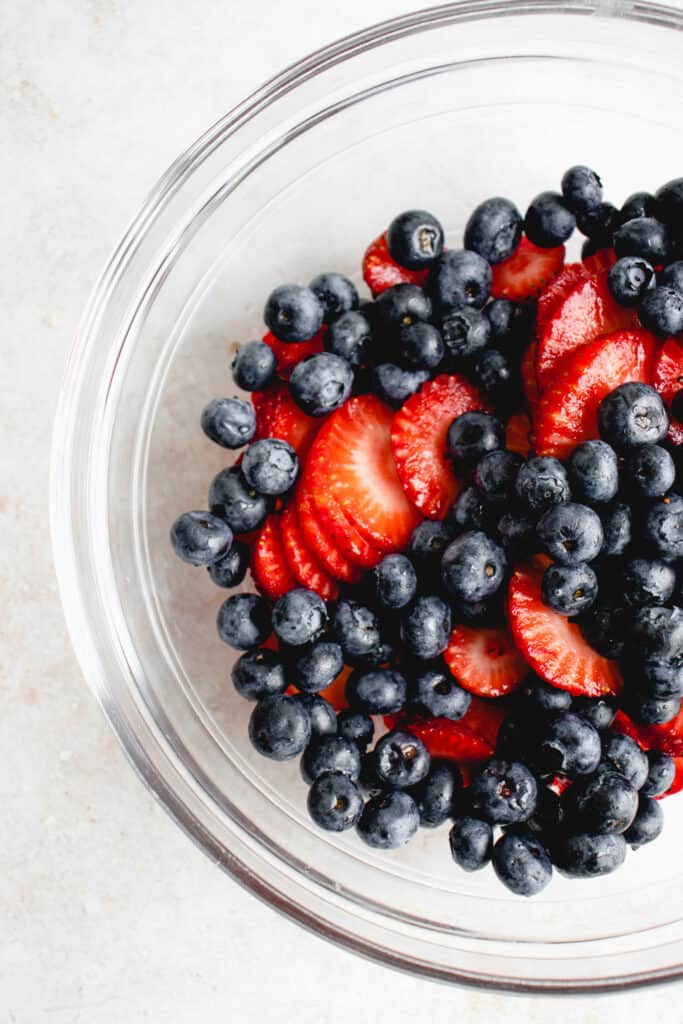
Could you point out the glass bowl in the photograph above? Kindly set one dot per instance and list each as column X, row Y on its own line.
column 438, row 109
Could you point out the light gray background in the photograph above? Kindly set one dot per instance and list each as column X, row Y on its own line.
column 108, row 913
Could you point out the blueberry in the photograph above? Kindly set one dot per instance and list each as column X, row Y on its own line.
column 335, row 802
column 330, row 754
column 436, row 795
column 336, row 294
column 244, row 621
column 647, row 824
column 648, row 710
column 313, row 668
column 403, row 304
column 598, row 223
column 518, row 734
column 522, row 863
column 357, row 727
column 549, row 220
column 321, row 383
column 496, row 373
column 465, row 332
column 570, row 533
column 661, row 311
column 543, row 697
column 604, row 802
column 401, row 760
column 669, row 200
column 230, row 422
column 469, row 511
column 231, row 569
column 270, row 466
column 389, row 820
column 581, row 188
column 395, row 581
column 426, row 628
column 629, row 279
column 604, row 626
column 664, row 527
column 546, row 820
column 321, row 713
column 660, row 775
column 593, row 472
column 662, row 680
column 299, row 617
column 378, row 692
column 640, row 204
column 569, row 589
column 511, row 323
column 599, row 711
column 259, row 673
column 649, row 470
column 494, row 229
column 496, row 475
column 394, row 384
column 672, row 276
column 200, row 538
column 616, row 528
column 437, row 692
column 426, row 546
column 471, row 842
column 356, row 628
column 293, row 313
column 488, row 614
column 473, row 567
column 623, row 753
column 279, row 727
column 657, row 633
column 588, row 855
column 459, row 278
column 472, row 434
column 569, row 744
column 415, row 239
column 231, row 498
column 541, row 483
column 504, row 792
column 348, row 337
column 644, row 237
column 253, row 368
column 517, row 533
column 647, row 582
column 420, row 346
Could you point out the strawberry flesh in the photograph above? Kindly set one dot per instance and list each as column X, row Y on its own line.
column 381, row 271
column 288, row 354
column 317, row 538
column 518, row 434
column 526, row 273
column 302, row 563
column 668, row 380
column 269, row 566
column 470, row 740
column 485, row 661
column 278, row 415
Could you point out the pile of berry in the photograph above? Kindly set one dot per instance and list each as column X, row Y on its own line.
column 458, row 505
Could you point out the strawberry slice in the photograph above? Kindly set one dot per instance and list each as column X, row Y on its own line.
column 568, row 409
column 485, row 661
column 668, row 738
column 518, row 434
column 668, row 380
column 471, row 739
column 278, row 415
column 287, row 355
column 526, row 273
column 551, row 644
column 587, row 312
column 352, row 464
column 600, row 261
column 323, row 550
column 302, row 563
column 381, row 271
column 557, row 291
column 269, row 566
column 418, row 441
column 529, row 383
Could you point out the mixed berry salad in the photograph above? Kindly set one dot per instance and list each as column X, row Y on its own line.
column 461, row 505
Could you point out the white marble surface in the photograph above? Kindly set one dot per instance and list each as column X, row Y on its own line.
column 108, row 913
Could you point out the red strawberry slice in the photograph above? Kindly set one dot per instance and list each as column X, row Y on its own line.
column 568, row 409
column 330, row 557
column 668, row 380
column 667, row 737
column 381, row 271
column 418, row 441
column 529, row 383
column 551, row 644
column 353, row 465
column 471, row 739
column 600, row 261
column 557, row 291
column 287, row 355
column 587, row 312
column 278, row 415
column 301, row 561
column 485, row 661
column 526, row 273
column 518, row 434
column 269, row 566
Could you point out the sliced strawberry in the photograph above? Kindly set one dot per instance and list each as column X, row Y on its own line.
column 668, row 379
column 381, row 271
column 529, row 383
column 278, row 415
column 418, row 441
column 342, row 531
column 269, row 566
column 557, row 291
column 471, row 739
column 288, row 354
column 518, row 434
column 552, row 645
column 485, row 661
column 568, row 409
column 301, row 561
column 600, row 261
column 352, row 464
column 587, row 312
column 330, row 557
column 526, row 273
column 560, row 784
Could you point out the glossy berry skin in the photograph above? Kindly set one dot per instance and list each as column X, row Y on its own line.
column 378, row 692
column 496, row 475
column 348, row 337
column 394, row 384
column 357, row 727
column 659, row 679
column 330, row 754
column 657, row 633
column 647, row 824
column 395, row 581
column 624, row 754
column 321, row 713
column 401, row 760
column 231, row 498
column 334, row 802
column 389, row 821
column 425, row 549
column 649, row 710
column 258, row 674
column 522, row 863
column 465, row 332
column 593, row 472
column 604, row 802
column 244, row 621
column 336, row 293
column 598, row 223
column 649, row 471
column 321, row 383
column 471, row 842
column 293, row 313
column 504, row 792
column 402, row 304
column 229, row 422
column 660, row 775
column 661, row 311
column 569, row 745
column 253, row 368
column 645, row 237
column 549, row 221
column 639, row 204
column 415, row 239
column 670, row 204
column 541, row 483
column 472, row 434
column 426, row 628
column 569, row 589
column 496, row 374
column 356, row 628
column 629, row 279
column 473, row 567
column 511, row 323
column 299, row 617
column 270, row 466
column 517, row 534
column 232, row 567
column 494, row 229
column 279, row 728
column 581, row 188
column 540, row 696
column 459, row 278
column 605, row 627
column 664, row 527
column 616, row 528
column 570, row 533
column 673, row 276
column 596, row 710
column 420, row 346
column 200, row 538
column 436, row 795
column 589, row 855
column 437, row 693
column 647, row 582
column 313, row 668
column 469, row 511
